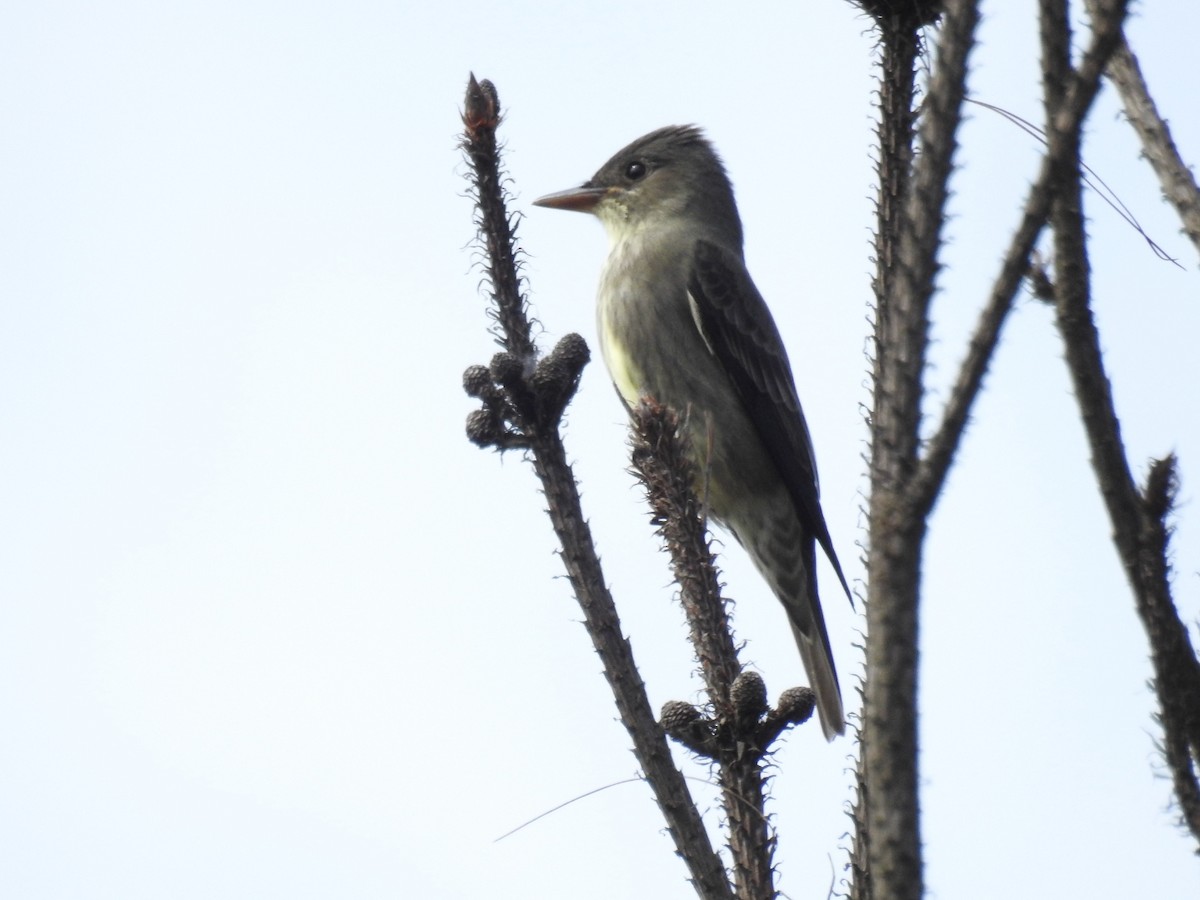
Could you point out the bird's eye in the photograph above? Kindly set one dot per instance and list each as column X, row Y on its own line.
column 635, row 170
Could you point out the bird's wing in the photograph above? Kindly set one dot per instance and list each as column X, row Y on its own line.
column 737, row 327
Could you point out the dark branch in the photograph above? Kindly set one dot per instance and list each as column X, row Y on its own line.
column 1139, row 520
column 1178, row 183
column 737, row 728
column 523, row 401
column 663, row 463
column 1061, row 130
column 481, row 117
column 886, row 857
column 1176, row 669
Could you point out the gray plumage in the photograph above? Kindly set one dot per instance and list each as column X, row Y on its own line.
column 681, row 321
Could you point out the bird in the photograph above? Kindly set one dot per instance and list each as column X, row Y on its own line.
column 681, row 322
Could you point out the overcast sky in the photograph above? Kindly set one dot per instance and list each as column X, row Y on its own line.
column 271, row 627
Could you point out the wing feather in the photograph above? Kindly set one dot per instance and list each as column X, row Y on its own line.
column 736, row 325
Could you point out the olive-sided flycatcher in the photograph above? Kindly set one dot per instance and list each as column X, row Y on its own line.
column 680, row 321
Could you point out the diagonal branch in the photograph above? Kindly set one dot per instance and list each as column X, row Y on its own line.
column 530, row 400
column 1178, row 183
column 1061, row 130
column 1176, row 666
column 1139, row 520
column 886, row 856
column 663, row 463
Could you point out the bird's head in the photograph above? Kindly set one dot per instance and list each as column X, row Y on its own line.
column 671, row 175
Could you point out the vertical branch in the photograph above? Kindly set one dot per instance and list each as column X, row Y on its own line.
column 481, row 117
column 736, row 729
column 522, row 406
column 1054, row 31
column 886, row 857
column 910, row 216
column 751, row 842
column 905, row 484
column 661, row 461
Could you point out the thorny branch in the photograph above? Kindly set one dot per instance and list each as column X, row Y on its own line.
column 523, row 398
column 886, row 856
column 522, row 406
column 1140, row 530
column 907, row 482
column 1080, row 92
column 737, row 730
column 1178, row 183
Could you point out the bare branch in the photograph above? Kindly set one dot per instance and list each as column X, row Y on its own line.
column 1178, row 183
column 925, row 210
column 738, row 728
column 1061, row 130
column 887, row 858
column 481, row 117
column 527, row 408
column 661, row 461
column 1139, row 524
column 887, row 845
column 1176, row 669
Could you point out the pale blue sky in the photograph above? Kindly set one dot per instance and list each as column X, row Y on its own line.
column 271, row 627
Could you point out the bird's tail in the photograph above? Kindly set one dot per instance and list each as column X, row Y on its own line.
column 818, row 663
column 786, row 557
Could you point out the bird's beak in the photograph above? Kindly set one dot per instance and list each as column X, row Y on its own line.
column 580, row 199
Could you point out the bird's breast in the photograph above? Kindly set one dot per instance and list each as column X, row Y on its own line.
column 641, row 309
column 653, row 347
column 626, row 375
